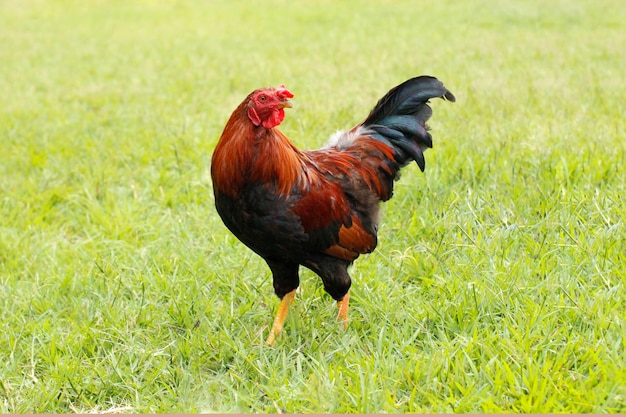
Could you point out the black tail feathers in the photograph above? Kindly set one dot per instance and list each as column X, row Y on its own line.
column 399, row 118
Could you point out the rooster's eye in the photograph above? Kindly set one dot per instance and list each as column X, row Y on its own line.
column 263, row 98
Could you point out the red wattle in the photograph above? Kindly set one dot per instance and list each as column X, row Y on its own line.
column 275, row 119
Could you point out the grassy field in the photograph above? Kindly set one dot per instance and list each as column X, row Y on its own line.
column 499, row 280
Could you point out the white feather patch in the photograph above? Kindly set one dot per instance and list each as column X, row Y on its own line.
column 343, row 139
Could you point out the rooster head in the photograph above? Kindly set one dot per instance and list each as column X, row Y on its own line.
column 266, row 106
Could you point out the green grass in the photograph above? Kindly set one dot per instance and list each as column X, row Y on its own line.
column 499, row 281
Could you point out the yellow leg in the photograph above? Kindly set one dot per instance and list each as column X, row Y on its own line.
column 281, row 315
column 343, row 310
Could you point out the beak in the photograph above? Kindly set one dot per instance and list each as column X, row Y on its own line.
column 285, row 103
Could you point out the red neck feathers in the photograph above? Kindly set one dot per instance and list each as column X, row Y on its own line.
column 249, row 154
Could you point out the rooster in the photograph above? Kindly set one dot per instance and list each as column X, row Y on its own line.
column 318, row 209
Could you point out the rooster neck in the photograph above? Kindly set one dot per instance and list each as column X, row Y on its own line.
column 247, row 154
column 278, row 162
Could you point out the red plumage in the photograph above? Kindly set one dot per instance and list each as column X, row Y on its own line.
column 318, row 208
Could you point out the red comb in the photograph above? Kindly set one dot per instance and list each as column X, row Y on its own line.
column 282, row 92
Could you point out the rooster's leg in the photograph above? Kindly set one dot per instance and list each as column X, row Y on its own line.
column 281, row 315
column 342, row 305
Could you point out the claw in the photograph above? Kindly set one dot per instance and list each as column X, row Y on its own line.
column 281, row 315
column 342, row 306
